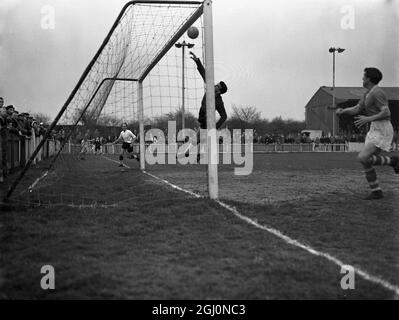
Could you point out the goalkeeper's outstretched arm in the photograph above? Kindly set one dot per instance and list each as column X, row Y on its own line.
column 198, row 62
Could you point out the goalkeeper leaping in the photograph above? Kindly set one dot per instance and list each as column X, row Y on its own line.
column 127, row 138
column 220, row 89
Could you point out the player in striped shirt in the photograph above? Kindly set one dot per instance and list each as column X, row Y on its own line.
column 373, row 109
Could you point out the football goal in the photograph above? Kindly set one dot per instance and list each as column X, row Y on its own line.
column 139, row 75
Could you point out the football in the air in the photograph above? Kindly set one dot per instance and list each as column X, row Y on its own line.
column 193, row 32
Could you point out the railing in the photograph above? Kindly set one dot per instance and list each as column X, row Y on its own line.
column 224, row 148
column 303, row 147
column 15, row 151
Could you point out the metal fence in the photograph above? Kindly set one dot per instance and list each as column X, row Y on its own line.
column 306, row 147
column 15, row 151
column 223, row 148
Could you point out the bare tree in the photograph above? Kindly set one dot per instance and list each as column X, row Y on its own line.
column 42, row 118
column 109, row 121
column 246, row 114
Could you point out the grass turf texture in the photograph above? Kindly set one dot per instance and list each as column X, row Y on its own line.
column 159, row 243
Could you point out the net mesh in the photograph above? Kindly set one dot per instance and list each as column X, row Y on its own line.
column 144, row 30
column 70, row 170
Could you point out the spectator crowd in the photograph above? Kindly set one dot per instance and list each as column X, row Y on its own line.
column 304, row 138
column 21, row 124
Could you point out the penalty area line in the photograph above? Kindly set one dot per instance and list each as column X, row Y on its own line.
column 360, row 272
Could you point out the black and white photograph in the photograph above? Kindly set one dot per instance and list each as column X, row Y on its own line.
column 199, row 155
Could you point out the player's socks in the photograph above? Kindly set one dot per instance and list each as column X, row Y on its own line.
column 395, row 164
column 386, row 161
column 382, row 161
column 376, row 192
column 371, row 176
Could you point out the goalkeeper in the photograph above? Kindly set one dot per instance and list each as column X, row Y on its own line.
column 220, row 89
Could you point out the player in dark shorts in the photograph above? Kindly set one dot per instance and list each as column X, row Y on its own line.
column 127, row 138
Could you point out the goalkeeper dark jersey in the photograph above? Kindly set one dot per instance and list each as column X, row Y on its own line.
column 219, row 104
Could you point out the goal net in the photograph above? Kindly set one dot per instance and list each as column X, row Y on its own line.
column 139, row 76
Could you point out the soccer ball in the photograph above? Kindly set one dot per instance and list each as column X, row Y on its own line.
column 193, row 32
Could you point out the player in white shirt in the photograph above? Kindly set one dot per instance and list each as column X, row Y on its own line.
column 127, row 138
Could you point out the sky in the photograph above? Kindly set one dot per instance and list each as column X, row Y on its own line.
column 272, row 54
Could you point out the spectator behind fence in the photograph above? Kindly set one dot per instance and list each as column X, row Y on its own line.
column 3, row 114
column 22, row 124
column 5, row 123
column 3, row 135
column 12, row 120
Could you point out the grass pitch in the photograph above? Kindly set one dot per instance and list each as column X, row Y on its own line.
column 144, row 240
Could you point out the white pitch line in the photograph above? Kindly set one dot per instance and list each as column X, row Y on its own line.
column 174, row 186
column 363, row 274
column 34, row 184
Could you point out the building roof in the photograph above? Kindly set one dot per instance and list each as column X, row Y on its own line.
column 355, row 93
column 323, row 96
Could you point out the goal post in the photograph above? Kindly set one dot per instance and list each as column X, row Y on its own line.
column 141, row 124
column 124, row 57
column 213, row 186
